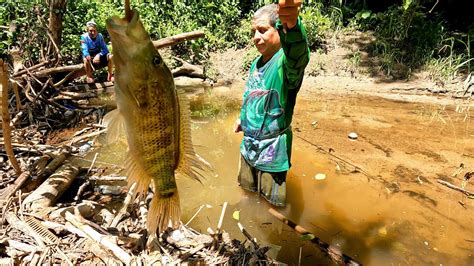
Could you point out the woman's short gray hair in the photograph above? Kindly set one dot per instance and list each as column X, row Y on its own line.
column 269, row 11
column 91, row 24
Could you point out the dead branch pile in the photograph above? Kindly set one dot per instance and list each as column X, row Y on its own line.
column 55, row 211
column 85, row 231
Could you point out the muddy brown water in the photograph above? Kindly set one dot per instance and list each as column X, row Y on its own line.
column 394, row 213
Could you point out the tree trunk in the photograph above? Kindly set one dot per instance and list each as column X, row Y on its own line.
column 57, row 8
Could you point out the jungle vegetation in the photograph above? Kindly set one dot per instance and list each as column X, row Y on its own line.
column 410, row 33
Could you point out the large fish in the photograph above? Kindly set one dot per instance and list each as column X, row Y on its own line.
column 155, row 118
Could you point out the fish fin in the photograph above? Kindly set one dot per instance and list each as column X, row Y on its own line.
column 137, row 174
column 115, row 123
column 163, row 211
column 190, row 164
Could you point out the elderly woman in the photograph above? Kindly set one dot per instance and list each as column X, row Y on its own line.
column 94, row 52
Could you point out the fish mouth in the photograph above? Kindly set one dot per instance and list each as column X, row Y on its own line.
column 121, row 27
column 126, row 34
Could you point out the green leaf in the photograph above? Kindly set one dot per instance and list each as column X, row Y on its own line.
column 365, row 14
column 236, row 215
column 307, row 237
column 407, row 4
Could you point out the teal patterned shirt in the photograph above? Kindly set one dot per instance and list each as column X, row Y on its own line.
column 269, row 99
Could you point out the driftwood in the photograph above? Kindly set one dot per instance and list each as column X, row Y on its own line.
column 24, row 71
column 6, row 117
column 247, row 235
column 333, row 252
column 86, row 209
column 126, row 203
column 22, row 226
column 47, row 194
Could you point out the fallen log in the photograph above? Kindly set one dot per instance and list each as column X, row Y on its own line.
column 48, row 192
column 80, row 71
column 186, row 69
column 48, row 170
column 178, row 38
column 333, row 252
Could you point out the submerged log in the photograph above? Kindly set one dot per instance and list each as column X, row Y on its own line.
column 47, row 194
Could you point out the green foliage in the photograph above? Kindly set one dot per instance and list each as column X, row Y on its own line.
column 317, row 25
column 20, row 28
column 406, row 36
column 243, row 33
column 221, row 21
column 249, row 57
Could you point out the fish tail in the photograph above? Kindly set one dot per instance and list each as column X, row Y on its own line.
column 164, row 210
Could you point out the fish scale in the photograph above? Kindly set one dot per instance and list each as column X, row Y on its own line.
column 156, row 138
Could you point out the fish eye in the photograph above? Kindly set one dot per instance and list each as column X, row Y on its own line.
column 157, row 60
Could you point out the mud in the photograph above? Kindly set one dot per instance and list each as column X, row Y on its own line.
column 380, row 202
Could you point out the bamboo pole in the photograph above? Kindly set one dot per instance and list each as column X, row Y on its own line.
column 7, row 131
column 333, row 252
column 451, row 186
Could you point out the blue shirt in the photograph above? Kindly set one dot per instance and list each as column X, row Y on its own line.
column 93, row 47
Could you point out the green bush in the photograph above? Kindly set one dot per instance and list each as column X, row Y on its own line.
column 406, row 36
column 317, row 24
